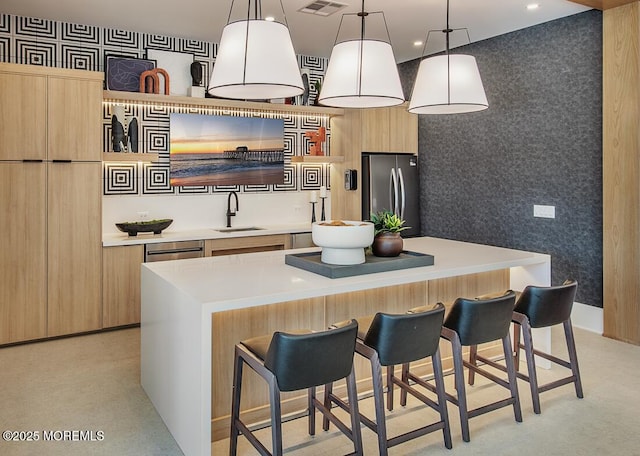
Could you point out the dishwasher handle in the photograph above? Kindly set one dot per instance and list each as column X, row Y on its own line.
column 162, row 252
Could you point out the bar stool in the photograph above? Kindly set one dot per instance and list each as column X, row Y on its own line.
column 291, row 362
column 540, row 307
column 392, row 340
column 469, row 323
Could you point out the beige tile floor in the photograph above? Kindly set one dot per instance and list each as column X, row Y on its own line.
column 91, row 383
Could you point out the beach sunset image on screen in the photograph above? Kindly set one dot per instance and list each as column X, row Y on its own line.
column 225, row 150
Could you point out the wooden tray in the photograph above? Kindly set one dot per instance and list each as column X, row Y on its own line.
column 311, row 262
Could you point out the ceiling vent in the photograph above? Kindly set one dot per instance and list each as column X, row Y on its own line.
column 322, row 8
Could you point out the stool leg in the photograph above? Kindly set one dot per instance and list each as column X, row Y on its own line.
column 531, row 365
column 460, row 388
column 328, row 389
column 405, row 379
column 312, row 410
column 513, row 379
column 573, row 356
column 516, row 345
column 473, row 360
column 276, row 417
column 352, row 395
column 438, row 374
column 390, row 374
column 378, row 398
column 235, row 404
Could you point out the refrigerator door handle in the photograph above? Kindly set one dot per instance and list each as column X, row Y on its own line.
column 393, row 191
column 402, row 193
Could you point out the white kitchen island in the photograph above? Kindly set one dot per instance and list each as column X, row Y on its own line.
column 181, row 350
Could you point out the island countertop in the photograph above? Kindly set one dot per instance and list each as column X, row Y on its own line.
column 237, row 281
column 180, row 299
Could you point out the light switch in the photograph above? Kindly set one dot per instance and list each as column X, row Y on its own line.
column 544, row 211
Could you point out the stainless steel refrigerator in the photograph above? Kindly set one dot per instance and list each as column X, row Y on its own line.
column 390, row 182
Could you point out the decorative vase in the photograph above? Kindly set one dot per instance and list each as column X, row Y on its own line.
column 387, row 244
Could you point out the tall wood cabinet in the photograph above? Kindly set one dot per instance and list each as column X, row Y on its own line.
column 50, row 200
column 23, row 271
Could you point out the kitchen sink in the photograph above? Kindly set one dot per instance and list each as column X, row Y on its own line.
column 233, row 230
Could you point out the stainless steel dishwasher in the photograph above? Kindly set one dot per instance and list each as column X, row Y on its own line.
column 301, row 240
column 163, row 251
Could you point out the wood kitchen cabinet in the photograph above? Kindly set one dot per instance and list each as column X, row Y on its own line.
column 389, row 130
column 50, row 198
column 247, row 244
column 50, row 113
column 74, row 122
column 121, row 285
column 23, row 116
column 23, row 268
column 74, row 252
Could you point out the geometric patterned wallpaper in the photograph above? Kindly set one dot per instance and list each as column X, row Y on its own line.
column 44, row 42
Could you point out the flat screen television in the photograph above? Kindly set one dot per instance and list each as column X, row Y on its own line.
column 225, row 150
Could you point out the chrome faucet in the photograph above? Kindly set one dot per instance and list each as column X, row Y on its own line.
column 229, row 212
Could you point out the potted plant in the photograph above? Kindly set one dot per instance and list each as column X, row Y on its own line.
column 387, row 227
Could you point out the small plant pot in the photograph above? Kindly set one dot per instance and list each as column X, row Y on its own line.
column 387, row 245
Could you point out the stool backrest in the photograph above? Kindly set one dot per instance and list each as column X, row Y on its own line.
column 547, row 306
column 300, row 361
column 481, row 320
column 406, row 337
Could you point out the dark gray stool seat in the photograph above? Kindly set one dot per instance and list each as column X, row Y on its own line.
column 297, row 361
column 540, row 307
column 469, row 323
column 390, row 340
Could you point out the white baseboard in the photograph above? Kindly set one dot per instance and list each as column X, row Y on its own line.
column 587, row 317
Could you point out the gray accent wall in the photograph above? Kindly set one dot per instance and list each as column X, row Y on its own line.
column 540, row 142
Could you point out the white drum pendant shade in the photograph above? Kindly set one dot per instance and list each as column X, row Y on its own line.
column 448, row 84
column 361, row 74
column 268, row 70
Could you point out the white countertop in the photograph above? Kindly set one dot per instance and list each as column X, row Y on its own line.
column 238, row 281
column 118, row 239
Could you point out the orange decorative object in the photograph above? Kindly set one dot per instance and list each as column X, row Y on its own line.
column 316, row 138
column 150, row 82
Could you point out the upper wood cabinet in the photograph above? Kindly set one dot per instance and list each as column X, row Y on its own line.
column 389, row 130
column 74, row 119
column 23, row 116
column 50, row 113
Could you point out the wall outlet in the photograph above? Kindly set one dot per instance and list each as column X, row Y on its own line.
column 544, row 211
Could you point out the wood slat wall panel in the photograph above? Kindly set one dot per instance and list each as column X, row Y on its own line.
column 621, row 172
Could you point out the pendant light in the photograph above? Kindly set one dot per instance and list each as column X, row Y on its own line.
column 362, row 73
column 448, row 84
column 255, row 59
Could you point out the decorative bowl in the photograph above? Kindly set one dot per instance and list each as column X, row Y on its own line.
column 133, row 228
column 342, row 241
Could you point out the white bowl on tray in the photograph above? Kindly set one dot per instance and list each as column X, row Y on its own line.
column 342, row 241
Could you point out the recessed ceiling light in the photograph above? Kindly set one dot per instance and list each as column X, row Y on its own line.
column 417, row 43
column 270, row 18
column 533, row 6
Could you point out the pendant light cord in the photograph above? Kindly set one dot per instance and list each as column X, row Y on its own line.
column 447, row 32
column 362, row 15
